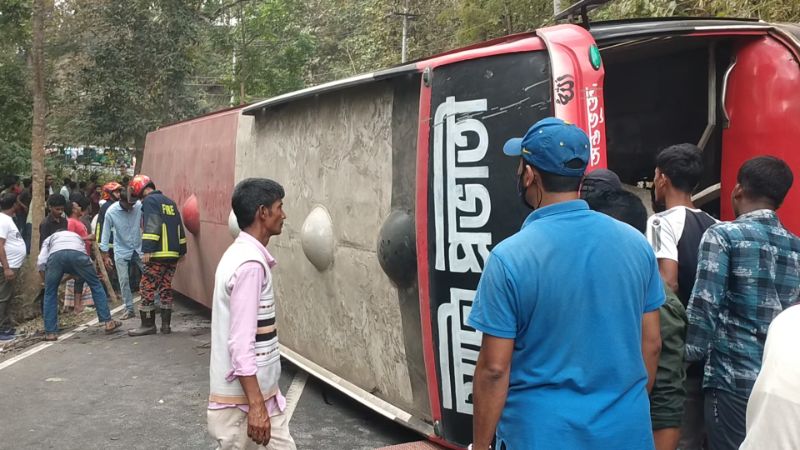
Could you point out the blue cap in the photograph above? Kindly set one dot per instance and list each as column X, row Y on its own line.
column 550, row 144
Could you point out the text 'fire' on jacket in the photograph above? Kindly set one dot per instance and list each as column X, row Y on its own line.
column 163, row 235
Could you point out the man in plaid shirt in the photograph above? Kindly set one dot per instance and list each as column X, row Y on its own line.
column 748, row 271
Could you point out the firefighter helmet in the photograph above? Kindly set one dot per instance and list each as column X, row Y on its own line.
column 138, row 184
column 108, row 188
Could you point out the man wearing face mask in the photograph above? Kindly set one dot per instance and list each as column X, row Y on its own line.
column 566, row 306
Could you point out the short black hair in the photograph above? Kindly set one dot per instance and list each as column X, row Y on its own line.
column 80, row 199
column 81, row 185
column 766, row 178
column 10, row 180
column 27, row 182
column 252, row 193
column 557, row 183
column 8, row 200
column 622, row 205
column 67, row 181
column 682, row 164
column 56, row 200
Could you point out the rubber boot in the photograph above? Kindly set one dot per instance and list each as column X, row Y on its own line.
column 166, row 317
column 148, row 324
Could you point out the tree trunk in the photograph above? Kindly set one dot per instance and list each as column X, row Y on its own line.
column 138, row 153
column 31, row 284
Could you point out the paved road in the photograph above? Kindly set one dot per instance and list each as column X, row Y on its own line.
column 116, row 392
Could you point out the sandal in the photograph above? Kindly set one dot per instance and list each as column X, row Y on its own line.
column 117, row 324
column 50, row 337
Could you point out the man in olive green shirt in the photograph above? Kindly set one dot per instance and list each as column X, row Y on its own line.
column 668, row 393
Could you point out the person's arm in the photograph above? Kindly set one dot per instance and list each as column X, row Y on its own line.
column 245, row 294
column 490, row 388
column 669, row 272
column 181, row 234
column 651, row 345
column 665, row 245
column 105, row 238
column 651, row 324
column 44, row 254
column 7, row 272
column 707, row 295
column 494, row 312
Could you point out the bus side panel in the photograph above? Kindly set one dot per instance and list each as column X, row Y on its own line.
column 335, row 152
column 764, row 111
column 196, row 157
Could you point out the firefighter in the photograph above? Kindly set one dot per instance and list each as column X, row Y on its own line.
column 163, row 245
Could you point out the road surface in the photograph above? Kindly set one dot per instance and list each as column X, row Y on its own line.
column 90, row 390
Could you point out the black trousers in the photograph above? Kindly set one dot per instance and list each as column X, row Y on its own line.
column 726, row 419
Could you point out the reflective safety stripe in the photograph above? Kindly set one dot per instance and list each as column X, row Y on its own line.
column 166, row 254
column 151, row 237
column 182, row 241
column 164, row 238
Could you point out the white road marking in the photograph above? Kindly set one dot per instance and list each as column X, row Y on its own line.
column 43, row 345
column 294, row 393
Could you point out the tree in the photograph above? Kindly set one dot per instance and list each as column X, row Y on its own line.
column 15, row 93
column 263, row 47
column 131, row 69
column 37, row 139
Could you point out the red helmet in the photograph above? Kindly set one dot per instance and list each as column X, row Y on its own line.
column 138, row 184
column 108, row 188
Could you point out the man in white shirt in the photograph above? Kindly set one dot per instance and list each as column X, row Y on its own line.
column 773, row 411
column 12, row 255
column 675, row 237
column 65, row 190
column 65, row 252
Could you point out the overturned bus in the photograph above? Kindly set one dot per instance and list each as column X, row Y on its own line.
column 397, row 188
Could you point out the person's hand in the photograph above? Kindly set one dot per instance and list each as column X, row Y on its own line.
column 146, row 258
column 9, row 274
column 258, row 425
column 107, row 261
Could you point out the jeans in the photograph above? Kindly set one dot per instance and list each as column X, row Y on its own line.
column 123, row 275
column 725, row 419
column 75, row 263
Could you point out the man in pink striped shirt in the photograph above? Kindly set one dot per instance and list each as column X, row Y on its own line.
column 245, row 409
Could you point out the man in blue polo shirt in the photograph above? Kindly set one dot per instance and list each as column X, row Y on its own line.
column 568, row 307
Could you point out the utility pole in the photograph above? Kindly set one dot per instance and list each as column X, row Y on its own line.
column 556, row 7
column 406, row 17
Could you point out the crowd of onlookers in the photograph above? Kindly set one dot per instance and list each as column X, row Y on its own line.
column 584, row 319
column 90, row 231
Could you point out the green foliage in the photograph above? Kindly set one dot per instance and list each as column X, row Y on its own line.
column 15, row 97
column 128, row 72
column 120, row 68
column 265, row 48
column 771, row 10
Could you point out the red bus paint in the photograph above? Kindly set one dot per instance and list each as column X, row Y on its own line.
column 765, row 69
